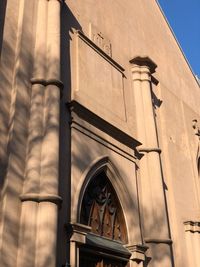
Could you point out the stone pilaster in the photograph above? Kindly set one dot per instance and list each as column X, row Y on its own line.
column 137, row 255
column 153, row 204
column 47, row 212
column 40, row 192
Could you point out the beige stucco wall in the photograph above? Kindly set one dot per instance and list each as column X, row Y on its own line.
column 15, row 73
column 124, row 183
column 139, row 28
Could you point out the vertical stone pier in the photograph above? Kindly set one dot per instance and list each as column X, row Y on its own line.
column 40, row 197
column 153, row 205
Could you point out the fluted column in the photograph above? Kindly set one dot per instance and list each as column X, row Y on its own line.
column 153, row 205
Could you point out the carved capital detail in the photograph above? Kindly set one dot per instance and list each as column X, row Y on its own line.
column 77, row 232
column 144, row 61
column 137, row 252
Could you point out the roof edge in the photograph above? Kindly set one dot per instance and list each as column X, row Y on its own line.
column 177, row 42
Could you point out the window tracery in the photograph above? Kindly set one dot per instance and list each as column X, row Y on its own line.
column 102, row 211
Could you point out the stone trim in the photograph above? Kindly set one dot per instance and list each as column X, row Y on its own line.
column 149, row 149
column 144, row 61
column 85, row 114
column 45, row 82
column 159, row 240
column 77, row 232
column 75, row 125
column 83, row 37
column 192, row 226
column 137, row 252
column 41, row 198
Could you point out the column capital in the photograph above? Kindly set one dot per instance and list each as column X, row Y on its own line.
column 137, row 252
column 77, row 232
column 144, row 61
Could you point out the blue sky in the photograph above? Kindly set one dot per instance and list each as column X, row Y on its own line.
column 184, row 18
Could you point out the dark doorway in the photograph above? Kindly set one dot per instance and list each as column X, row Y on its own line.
column 92, row 260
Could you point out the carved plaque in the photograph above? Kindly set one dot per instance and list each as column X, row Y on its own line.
column 99, row 81
column 100, row 39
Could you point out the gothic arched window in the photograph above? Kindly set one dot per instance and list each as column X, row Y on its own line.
column 102, row 211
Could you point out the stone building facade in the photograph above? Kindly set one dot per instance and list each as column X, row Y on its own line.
column 99, row 147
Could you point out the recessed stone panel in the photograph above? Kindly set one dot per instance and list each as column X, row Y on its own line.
column 99, row 81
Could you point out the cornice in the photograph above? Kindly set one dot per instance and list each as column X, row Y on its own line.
column 144, row 61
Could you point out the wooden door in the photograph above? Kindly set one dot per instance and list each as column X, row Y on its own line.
column 89, row 260
column 92, row 260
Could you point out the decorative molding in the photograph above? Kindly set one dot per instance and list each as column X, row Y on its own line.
column 192, row 226
column 144, row 61
column 143, row 65
column 111, row 145
column 141, row 80
column 45, row 82
column 77, row 232
column 158, row 241
column 101, row 52
column 148, row 149
column 100, row 39
column 41, row 198
column 138, row 252
column 101, row 124
column 107, row 247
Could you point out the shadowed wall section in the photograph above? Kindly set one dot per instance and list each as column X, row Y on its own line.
column 2, row 19
column 16, row 69
column 30, row 71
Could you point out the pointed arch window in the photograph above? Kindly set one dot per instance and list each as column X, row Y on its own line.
column 102, row 211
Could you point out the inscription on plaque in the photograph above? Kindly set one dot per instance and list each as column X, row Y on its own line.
column 100, row 39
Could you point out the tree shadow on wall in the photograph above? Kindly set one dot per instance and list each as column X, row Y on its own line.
column 13, row 153
column 82, row 154
column 16, row 96
column 15, row 90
